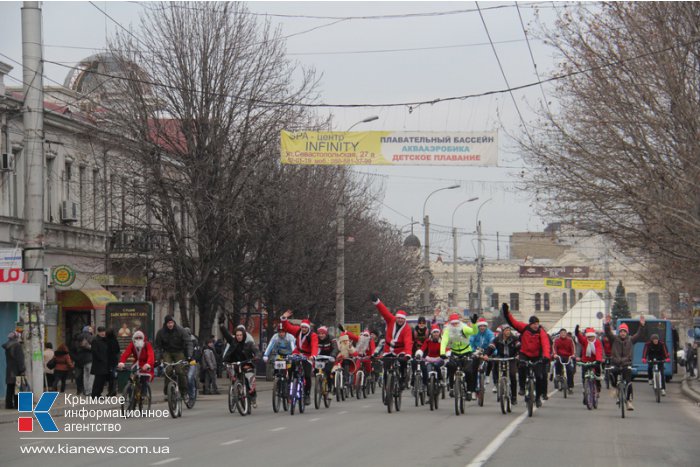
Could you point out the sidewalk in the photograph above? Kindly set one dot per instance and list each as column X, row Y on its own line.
column 57, row 410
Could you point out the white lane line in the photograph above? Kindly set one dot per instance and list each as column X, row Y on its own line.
column 366, row 406
column 498, row 441
column 228, row 443
column 314, row 419
column 342, row 412
column 279, row 428
column 166, row 461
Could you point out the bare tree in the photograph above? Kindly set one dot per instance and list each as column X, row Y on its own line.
column 621, row 156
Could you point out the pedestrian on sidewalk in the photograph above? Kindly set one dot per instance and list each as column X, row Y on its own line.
column 100, row 361
column 209, row 366
column 15, row 367
column 113, row 353
column 83, row 360
column 48, row 356
column 64, row 364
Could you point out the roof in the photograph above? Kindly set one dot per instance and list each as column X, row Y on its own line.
column 584, row 313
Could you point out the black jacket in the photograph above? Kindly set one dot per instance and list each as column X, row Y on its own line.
column 655, row 352
column 15, row 360
column 506, row 348
column 114, row 350
column 100, row 356
column 172, row 340
column 238, row 351
column 327, row 347
column 82, row 355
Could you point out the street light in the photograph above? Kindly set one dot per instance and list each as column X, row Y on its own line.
column 454, row 250
column 340, row 266
column 426, row 259
column 479, row 259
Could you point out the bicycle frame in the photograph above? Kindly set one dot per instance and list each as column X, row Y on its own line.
column 504, row 381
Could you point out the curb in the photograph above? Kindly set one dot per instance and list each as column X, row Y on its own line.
column 689, row 392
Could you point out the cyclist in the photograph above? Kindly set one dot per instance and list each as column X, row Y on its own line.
column 565, row 348
column 172, row 345
column 656, row 349
column 506, row 345
column 591, row 351
column 281, row 344
column 364, row 347
column 456, row 336
column 399, row 338
column 346, row 352
column 142, row 351
column 430, row 352
column 621, row 352
column 240, row 350
column 307, row 345
column 481, row 340
column 420, row 333
column 534, row 346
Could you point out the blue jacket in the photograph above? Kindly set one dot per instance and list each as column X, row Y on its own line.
column 279, row 346
column 481, row 339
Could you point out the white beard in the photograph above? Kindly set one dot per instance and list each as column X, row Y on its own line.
column 138, row 344
column 345, row 349
column 455, row 333
column 363, row 344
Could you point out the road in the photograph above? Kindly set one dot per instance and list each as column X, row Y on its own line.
column 356, row 433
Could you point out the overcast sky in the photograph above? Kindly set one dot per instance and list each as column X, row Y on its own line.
column 456, row 59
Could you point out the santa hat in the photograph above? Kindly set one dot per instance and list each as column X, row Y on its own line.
column 306, row 322
column 322, row 329
column 590, row 332
column 434, row 328
column 454, row 318
column 365, row 332
column 137, row 334
column 623, row 327
column 344, row 337
column 401, row 314
column 482, row 322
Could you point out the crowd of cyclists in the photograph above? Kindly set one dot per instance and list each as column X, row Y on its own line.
column 468, row 345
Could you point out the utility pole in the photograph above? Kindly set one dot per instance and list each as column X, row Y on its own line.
column 340, row 267
column 426, row 266
column 498, row 247
column 479, row 269
column 33, row 115
column 454, row 267
column 607, row 282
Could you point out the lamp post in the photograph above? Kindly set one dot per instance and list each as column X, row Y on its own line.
column 340, row 265
column 479, row 260
column 426, row 259
column 454, row 250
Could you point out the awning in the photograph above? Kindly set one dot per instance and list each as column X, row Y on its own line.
column 96, row 299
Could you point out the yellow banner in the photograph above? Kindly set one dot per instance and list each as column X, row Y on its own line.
column 389, row 148
column 557, row 283
column 353, row 328
column 588, row 284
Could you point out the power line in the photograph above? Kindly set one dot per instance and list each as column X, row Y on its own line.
column 411, row 49
column 532, row 57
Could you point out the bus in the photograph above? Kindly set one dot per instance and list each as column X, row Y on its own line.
column 665, row 330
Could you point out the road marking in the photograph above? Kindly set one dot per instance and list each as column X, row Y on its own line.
column 366, row 406
column 166, row 461
column 498, row 441
column 279, row 428
column 314, row 419
column 228, row 443
column 342, row 412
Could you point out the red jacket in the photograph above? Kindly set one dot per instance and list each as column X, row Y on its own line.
column 307, row 344
column 584, row 344
column 145, row 356
column 355, row 339
column 607, row 346
column 397, row 343
column 533, row 344
column 564, row 347
column 430, row 348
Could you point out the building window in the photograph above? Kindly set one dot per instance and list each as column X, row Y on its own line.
column 546, row 302
column 572, row 297
column 67, row 176
column 538, row 302
column 564, row 307
column 580, row 296
column 95, row 195
column 81, row 193
column 494, row 301
column 515, row 301
column 632, row 302
column 654, row 304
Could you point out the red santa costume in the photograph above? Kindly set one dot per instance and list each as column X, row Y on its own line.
column 307, row 341
column 399, row 339
column 365, row 347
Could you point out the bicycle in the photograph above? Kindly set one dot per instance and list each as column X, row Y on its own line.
column 238, row 397
column 136, row 393
column 504, row 395
column 530, row 380
column 606, row 370
column 622, row 389
column 296, row 388
column 418, row 390
column 561, row 381
column 443, row 383
column 590, row 384
column 173, row 388
column 657, row 382
column 280, row 390
column 322, row 390
column 392, row 384
column 434, row 384
column 460, row 382
column 480, row 376
column 362, row 382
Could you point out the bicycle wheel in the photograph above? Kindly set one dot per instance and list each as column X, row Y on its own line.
column 480, row 394
column 276, row 395
column 508, row 395
column 317, row 392
column 358, row 384
column 622, row 395
column 338, row 386
column 596, row 394
column 657, row 386
column 372, row 383
column 564, row 386
column 387, row 392
column 241, row 398
column 588, row 394
column 431, row 392
column 502, row 396
column 397, row 393
column 326, row 392
column 129, row 401
column 422, row 391
column 530, row 394
column 285, row 394
column 416, row 390
column 294, row 395
column 458, row 394
column 173, row 400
